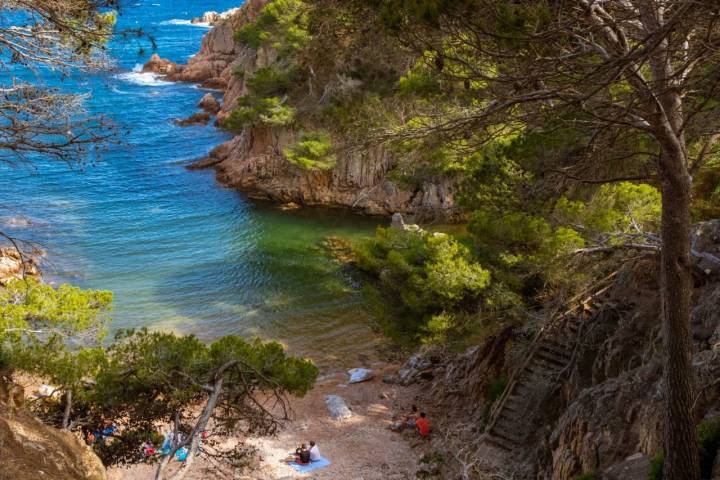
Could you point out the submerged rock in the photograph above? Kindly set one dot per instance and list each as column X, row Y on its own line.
column 289, row 206
column 337, row 407
column 199, row 118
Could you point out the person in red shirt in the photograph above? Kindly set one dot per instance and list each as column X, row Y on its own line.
column 422, row 425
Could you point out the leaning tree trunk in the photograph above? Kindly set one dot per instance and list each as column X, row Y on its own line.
column 680, row 444
column 200, row 427
column 68, row 409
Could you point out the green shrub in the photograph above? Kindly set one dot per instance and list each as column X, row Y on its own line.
column 313, row 151
column 281, row 23
column 427, row 279
column 271, row 81
column 587, row 476
column 614, row 208
column 265, row 111
column 656, row 467
column 251, row 35
column 709, row 441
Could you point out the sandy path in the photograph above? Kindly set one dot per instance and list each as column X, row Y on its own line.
column 360, row 448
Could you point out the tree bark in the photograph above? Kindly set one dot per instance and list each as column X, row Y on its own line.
column 68, row 409
column 200, row 427
column 680, row 444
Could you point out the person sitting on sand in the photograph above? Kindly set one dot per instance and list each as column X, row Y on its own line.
column 422, row 425
column 314, row 452
column 412, row 417
column 301, row 456
column 304, row 455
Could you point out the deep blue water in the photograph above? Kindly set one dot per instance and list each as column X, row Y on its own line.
column 178, row 251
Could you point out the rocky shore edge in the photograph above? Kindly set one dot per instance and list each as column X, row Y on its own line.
column 252, row 161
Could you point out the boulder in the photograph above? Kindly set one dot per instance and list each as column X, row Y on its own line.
column 161, row 66
column 414, row 368
column 13, row 265
column 337, row 407
column 212, row 17
column 209, row 103
column 358, row 375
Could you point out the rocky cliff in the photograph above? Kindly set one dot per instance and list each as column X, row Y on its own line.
column 253, row 162
column 603, row 415
column 30, row 450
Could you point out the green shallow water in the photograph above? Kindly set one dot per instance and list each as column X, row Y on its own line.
column 178, row 251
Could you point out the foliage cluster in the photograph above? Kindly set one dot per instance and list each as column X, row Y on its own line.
column 141, row 378
column 431, row 274
column 313, row 151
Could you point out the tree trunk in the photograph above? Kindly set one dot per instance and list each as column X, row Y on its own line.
column 175, row 446
column 680, row 445
column 200, row 427
column 68, row 409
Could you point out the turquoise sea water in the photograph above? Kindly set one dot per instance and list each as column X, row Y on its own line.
column 178, row 251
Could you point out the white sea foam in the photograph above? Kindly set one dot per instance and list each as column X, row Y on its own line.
column 189, row 23
column 138, row 77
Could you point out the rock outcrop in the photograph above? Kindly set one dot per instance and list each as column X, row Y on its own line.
column 30, row 450
column 209, row 103
column 198, row 118
column 212, row 17
column 253, row 162
column 16, row 266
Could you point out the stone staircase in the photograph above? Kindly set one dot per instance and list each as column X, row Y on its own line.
column 550, row 356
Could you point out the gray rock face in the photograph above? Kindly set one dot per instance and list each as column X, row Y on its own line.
column 337, row 407
column 635, row 467
column 358, row 375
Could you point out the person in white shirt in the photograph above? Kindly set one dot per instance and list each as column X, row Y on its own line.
column 314, row 452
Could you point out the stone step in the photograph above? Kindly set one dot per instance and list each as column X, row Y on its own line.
column 540, row 367
column 561, row 359
column 558, row 346
column 507, row 434
column 500, row 442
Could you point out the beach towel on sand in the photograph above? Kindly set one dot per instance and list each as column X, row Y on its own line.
column 323, row 462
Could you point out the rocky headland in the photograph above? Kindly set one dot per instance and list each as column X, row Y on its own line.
column 252, row 161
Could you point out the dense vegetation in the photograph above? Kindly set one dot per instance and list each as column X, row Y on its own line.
column 562, row 125
column 142, row 378
column 526, row 214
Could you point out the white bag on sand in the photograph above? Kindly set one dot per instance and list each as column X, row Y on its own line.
column 337, row 407
column 358, row 375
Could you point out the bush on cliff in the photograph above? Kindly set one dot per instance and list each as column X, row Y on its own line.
column 313, row 151
column 424, row 278
column 252, row 111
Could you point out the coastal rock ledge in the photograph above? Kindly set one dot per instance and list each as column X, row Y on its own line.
column 253, row 163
